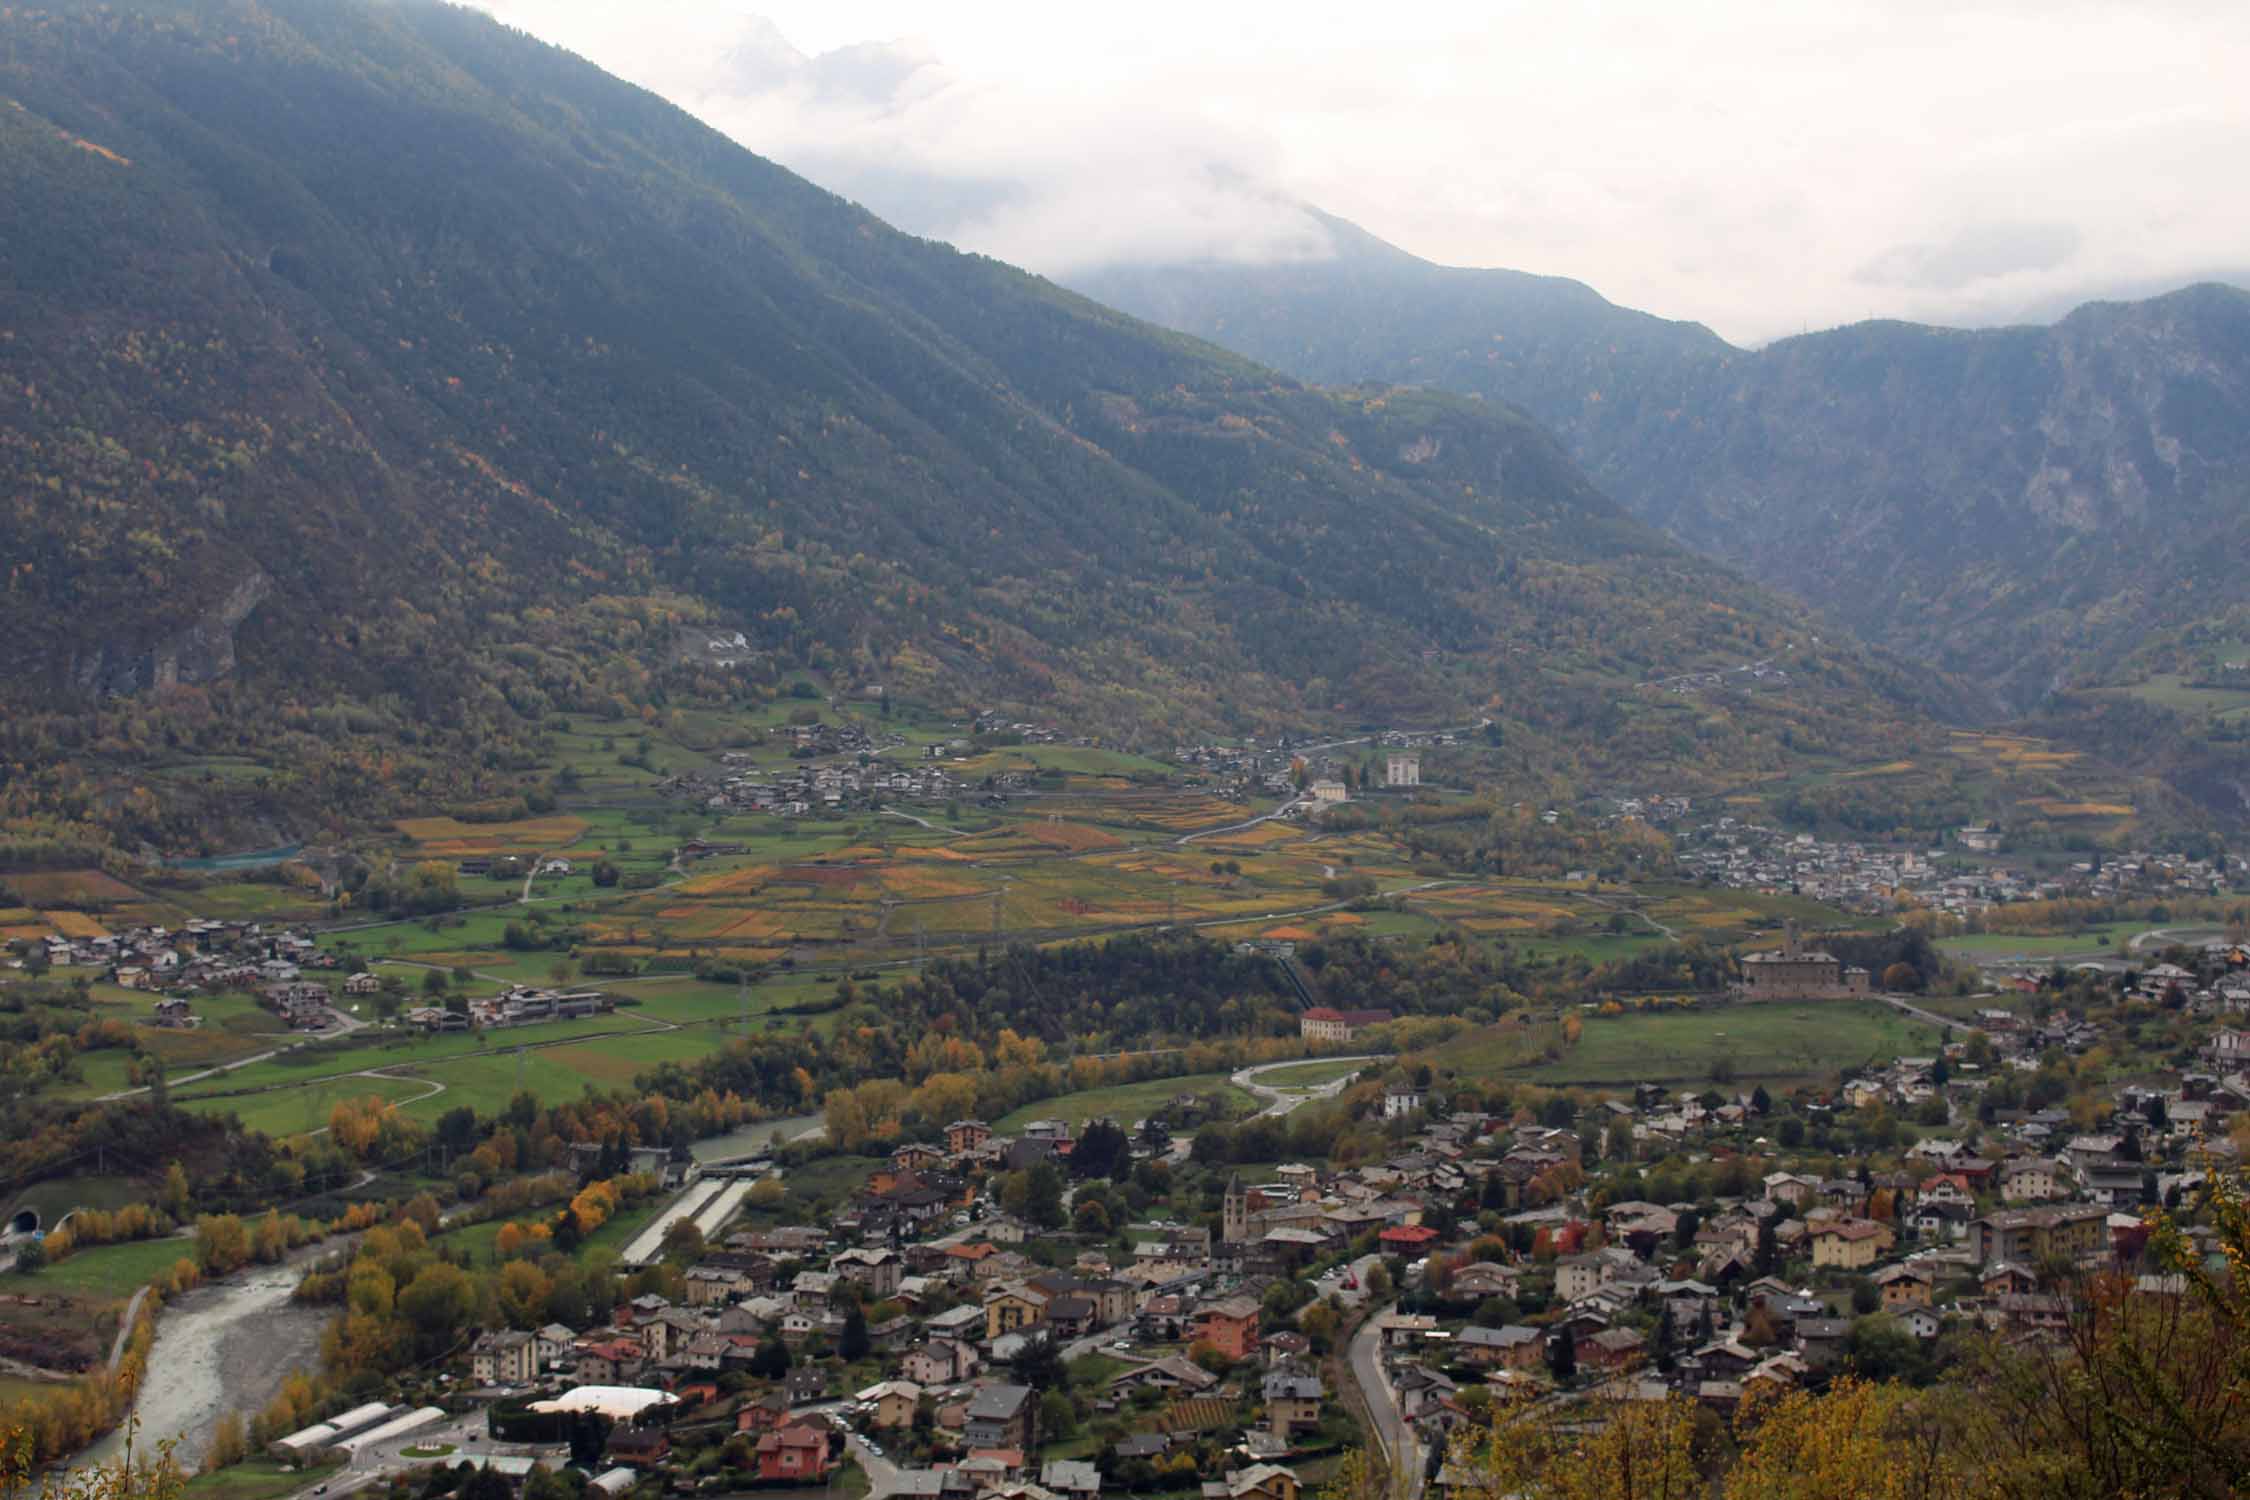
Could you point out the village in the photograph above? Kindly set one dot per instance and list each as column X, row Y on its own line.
column 848, row 767
column 1189, row 1299
column 289, row 973
column 1961, row 880
column 1065, row 1311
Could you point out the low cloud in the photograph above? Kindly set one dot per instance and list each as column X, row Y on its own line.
column 1054, row 181
column 1976, row 252
column 1760, row 170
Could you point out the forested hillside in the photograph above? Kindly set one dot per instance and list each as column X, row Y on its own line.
column 378, row 380
column 2020, row 506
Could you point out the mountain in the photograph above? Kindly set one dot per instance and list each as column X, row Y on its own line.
column 379, row 381
column 2022, row 507
column 1552, row 346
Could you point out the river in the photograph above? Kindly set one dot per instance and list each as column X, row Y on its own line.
column 220, row 1348
column 248, row 860
column 748, row 1140
column 228, row 1346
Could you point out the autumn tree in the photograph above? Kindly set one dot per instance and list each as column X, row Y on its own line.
column 436, row 1305
column 1864, row 1441
column 174, row 1195
column 522, row 1293
column 1608, row 1450
column 2145, row 1394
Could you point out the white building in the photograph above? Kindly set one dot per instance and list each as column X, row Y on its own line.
column 1402, row 768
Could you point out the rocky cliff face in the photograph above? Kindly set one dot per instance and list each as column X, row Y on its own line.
column 202, row 651
column 2020, row 506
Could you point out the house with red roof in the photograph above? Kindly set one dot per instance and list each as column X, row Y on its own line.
column 1407, row 1239
column 794, row 1452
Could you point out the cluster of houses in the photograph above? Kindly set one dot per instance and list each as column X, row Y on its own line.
column 1859, row 877
column 995, row 722
column 1657, row 809
column 834, row 786
column 1732, row 679
column 199, row 957
column 520, row 1005
column 1394, row 756
column 1238, row 770
column 1768, row 1288
column 206, row 957
column 956, row 1300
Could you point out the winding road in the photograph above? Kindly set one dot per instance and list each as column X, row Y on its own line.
column 2167, row 936
column 1279, row 1102
column 1209, row 833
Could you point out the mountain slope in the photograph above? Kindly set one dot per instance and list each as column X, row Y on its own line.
column 2019, row 506
column 1372, row 311
column 379, row 377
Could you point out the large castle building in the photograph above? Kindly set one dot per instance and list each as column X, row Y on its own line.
column 1796, row 973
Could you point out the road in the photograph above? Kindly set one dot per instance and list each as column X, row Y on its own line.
column 1928, row 1017
column 2165, row 937
column 466, row 1433
column 1369, row 739
column 1365, row 1364
column 1208, row 833
column 240, row 1062
column 882, row 1474
column 435, row 1088
column 1613, row 904
column 125, row 1328
column 1279, row 1103
column 892, row 812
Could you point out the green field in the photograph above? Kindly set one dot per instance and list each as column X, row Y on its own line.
column 2085, row 943
column 486, row 1082
column 476, row 1240
column 1597, row 948
column 59, row 1195
column 1126, row 1102
column 257, row 901
column 294, row 1111
column 820, row 1183
column 14, row 1388
column 396, row 1049
column 1311, row 1075
column 253, row 1479
column 2174, row 691
column 293, row 1092
column 1963, row 1008
column 615, row 1235
column 1768, row 1043
column 111, row 1271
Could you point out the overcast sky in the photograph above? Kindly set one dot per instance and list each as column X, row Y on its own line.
column 1760, row 168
